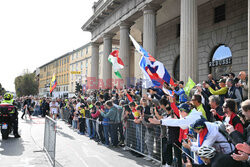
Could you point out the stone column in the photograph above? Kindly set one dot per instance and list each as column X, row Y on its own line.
column 125, row 51
column 188, row 41
column 149, row 29
column 248, row 49
column 95, row 63
column 106, row 66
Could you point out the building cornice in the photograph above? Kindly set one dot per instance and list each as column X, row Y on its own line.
column 100, row 14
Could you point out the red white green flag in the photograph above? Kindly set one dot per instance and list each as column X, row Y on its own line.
column 116, row 62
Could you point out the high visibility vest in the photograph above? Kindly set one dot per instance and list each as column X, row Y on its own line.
column 8, row 101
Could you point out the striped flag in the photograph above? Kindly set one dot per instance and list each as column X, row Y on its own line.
column 116, row 62
column 152, row 69
column 53, row 83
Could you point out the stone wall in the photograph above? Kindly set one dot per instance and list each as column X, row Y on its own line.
column 232, row 32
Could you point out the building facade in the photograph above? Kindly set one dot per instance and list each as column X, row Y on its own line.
column 191, row 37
column 79, row 67
column 59, row 67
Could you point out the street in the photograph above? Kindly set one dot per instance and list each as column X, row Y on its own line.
column 72, row 149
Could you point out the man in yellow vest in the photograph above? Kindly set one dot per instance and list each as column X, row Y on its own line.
column 8, row 99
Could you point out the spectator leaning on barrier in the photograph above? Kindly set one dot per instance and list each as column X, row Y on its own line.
column 112, row 115
column 208, row 135
column 169, row 135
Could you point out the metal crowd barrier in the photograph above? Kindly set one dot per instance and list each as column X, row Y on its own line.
column 144, row 139
column 49, row 145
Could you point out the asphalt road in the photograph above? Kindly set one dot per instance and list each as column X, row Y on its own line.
column 72, row 149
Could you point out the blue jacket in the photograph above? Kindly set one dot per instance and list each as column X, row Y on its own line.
column 182, row 95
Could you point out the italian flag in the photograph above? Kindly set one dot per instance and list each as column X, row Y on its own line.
column 116, row 62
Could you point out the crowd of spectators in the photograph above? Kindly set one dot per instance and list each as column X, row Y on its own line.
column 210, row 127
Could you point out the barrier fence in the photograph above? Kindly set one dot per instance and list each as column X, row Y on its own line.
column 143, row 138
column 49, row 145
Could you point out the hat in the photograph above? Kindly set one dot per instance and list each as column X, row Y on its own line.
column 200, row 123
column 185, row 107
column 222, row 80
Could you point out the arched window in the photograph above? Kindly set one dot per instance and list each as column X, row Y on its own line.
column 177, row 69
column 221, row 61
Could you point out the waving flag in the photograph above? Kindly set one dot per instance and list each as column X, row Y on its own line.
column 53, row 83
column 189, row 85
column 154, row 71
column 116, row 62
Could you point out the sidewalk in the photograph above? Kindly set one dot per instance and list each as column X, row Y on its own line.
column 27, row 150
column 77, row 150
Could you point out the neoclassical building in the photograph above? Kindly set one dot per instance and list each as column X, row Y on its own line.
column 191, row 37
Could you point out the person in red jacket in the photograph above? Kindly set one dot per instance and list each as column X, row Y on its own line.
column 230, row 119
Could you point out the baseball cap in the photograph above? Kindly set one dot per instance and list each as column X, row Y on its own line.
column 185, row 107
column 200, row 123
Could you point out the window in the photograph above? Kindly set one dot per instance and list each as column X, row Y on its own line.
column 221, row 61
column 177, row 69
column 67, row 77
column 219, row 13
column 178, row 30
column 76, row 66
column 65, row 61
column 81, row 53
column 76, row 55
column 81, row 66
column 86, row 50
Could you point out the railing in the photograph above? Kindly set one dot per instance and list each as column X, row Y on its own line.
column 49, row 145
column 144, row 139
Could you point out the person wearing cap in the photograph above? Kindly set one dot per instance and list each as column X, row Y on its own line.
column 208, row 135
column 221, row 92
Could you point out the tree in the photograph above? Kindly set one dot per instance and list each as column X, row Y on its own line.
column 26, row 84
column 2, row 90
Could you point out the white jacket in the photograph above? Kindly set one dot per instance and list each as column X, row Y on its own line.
column 215, row 139
column 183, row 123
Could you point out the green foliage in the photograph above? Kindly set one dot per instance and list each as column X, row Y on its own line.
column 2, row 90
column 26, row 84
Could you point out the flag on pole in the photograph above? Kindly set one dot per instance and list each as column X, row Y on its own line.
column 53, row 83
column 116, row 62
column 153, row 70
column 189, row 85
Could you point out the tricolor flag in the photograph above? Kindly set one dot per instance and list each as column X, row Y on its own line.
column 116, row 62
column 153, row 70
column 53, row 83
